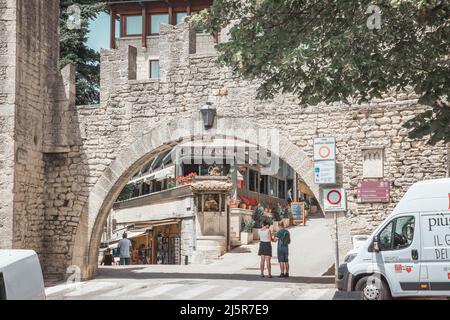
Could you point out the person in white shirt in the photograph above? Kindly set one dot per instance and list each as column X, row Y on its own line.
column 265, row 248
column 124, row 250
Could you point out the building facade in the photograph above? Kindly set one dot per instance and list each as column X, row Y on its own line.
column 63, row 166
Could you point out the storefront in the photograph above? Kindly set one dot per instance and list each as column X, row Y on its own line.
column 153, row 242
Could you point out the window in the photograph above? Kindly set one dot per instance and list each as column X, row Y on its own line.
column 273, row 187
column 281, row 189
column 264, row 185
column 156, row 20
column 133, row 25
column 179, row 17
column 398, row 234
column 154, row 69
column 253, row 181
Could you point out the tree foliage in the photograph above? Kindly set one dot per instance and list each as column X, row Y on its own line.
column 333, row 51
column 74, row 49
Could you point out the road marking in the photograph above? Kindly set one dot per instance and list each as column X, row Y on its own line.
column 90, row 288
column 313, row 294
column 231, row 293
column 159, row 290
column 61, row 287
column 272, row 294
column 194, row 292
column 123, row 290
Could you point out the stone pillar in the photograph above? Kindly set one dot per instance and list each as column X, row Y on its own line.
column 175, row 43
column 7, row 116
column 117, row 67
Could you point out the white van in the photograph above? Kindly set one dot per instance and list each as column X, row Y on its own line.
column 408, row 255
column 20, row 276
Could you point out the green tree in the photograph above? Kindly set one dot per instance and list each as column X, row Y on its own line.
column 73, row 39
column 342, row 51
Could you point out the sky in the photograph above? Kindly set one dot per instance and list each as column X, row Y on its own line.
column 99, row 32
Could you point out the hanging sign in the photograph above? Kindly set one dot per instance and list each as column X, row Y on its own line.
column 334, row 200
column 325, row 172
column 324, row 149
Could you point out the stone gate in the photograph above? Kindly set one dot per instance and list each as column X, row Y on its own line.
column 62, row 166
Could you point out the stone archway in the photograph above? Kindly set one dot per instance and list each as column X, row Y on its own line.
column 104, row 193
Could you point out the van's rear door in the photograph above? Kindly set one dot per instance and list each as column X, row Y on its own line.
column 435, row 256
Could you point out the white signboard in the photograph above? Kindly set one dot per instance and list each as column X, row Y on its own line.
column 325, row 172
column 324, row 149
column 334, row 200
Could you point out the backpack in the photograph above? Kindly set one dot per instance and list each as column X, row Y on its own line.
column 287, row 238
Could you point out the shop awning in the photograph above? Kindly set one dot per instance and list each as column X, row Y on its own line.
column 165, row 173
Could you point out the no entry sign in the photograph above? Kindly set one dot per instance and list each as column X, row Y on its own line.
column 334, row 200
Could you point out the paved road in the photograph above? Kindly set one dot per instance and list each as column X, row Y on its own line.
column 234, row 277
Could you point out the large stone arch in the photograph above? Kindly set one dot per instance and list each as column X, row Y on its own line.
column 166, row 135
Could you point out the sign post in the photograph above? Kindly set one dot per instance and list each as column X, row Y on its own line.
column 335, row 200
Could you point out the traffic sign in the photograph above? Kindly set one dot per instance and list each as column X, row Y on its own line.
column 325, row 172
column 334, row 200
column 324, row 149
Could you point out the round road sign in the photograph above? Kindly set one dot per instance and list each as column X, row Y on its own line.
column 334, row 197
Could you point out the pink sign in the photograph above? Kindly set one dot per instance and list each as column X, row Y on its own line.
column 374, row 192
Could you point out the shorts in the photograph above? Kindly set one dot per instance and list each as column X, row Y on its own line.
column 283, row 256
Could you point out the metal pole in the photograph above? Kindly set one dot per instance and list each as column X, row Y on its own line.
column 336, row 241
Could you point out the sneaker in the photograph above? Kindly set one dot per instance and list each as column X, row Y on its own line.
column 286, row 275
column 281, row 275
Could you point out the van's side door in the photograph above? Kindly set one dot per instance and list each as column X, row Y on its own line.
column 399, row 243
column 435, row 229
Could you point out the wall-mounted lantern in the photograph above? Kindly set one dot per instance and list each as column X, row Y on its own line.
column 208, row 115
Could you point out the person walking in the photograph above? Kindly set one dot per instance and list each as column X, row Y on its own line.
column 283, row 237
column 265, row 248
column 124, row 250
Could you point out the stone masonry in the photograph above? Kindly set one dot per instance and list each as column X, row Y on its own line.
column 64, row 167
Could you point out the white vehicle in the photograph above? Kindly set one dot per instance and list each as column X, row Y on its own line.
column 408, row 255
column 20, row 276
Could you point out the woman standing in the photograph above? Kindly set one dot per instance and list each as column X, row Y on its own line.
column 265, row 248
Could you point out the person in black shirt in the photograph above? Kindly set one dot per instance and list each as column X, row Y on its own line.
column 108, row 259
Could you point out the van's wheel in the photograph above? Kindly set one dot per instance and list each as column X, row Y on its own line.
column 373, row 288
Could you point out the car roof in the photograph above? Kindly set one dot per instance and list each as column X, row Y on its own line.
column 8, row 257
column 426, row 196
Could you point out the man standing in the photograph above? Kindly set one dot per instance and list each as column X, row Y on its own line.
column 124, row 250
column 284, row 239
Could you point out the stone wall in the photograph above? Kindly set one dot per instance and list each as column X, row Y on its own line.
column 7, row 116
column 36, row 129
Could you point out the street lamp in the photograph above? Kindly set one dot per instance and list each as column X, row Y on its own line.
column 208, row 115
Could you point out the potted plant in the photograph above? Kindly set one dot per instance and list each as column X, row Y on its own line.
column 276, row 215
column 286, row 215
column 243, row 203
column 247, row 231
column 258, row 218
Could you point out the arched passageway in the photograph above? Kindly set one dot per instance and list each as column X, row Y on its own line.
column 164, row 137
